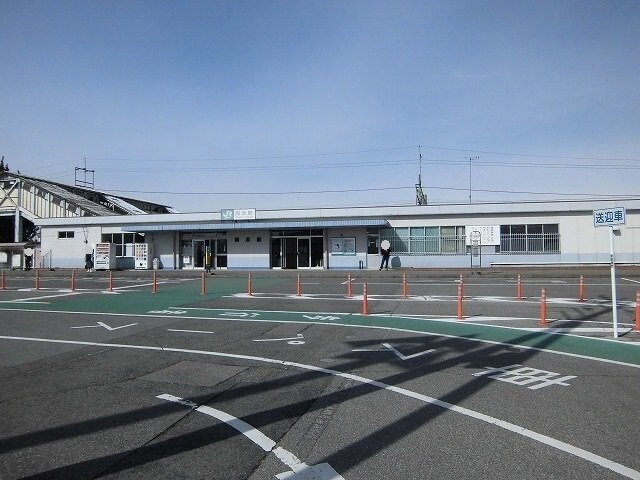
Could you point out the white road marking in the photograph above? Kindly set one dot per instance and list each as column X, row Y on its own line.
column 572, row 330
column 531, row 300
column 372, row 349
column 408, row 357
column 345, row 325
column 511, row 427
column 168, row 312
column 265, row 443
column 519, row 375
column 24, row 301
column 67, row 294
column 297, row 340
column 325, row 318
column 188, row 331
column 631, row 280
column 104, row 325
column 239, row 314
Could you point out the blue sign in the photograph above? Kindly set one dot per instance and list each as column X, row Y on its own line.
column 609, row 216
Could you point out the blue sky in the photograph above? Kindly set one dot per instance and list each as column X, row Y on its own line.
column 283, row 104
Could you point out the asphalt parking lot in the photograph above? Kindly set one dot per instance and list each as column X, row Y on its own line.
column 284, row 377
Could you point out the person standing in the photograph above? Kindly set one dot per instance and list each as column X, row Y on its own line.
column 385, row 249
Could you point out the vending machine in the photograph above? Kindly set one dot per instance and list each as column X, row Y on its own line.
column 143, row 255
column 105, row 256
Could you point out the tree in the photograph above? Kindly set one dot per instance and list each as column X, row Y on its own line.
column 3, row 167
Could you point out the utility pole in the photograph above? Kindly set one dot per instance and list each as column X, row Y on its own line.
column 470, row 159
column 86, row 182
column 421, row 198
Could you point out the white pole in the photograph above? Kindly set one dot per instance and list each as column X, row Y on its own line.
column 614, row 300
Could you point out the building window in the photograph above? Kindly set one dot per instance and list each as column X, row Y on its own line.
column 536, row 238
column 66, row 234
column 373, row 241
column 445, row 240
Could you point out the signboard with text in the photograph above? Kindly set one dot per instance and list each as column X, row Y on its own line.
column 609, row 216
column 489, row 234
column 229, row 214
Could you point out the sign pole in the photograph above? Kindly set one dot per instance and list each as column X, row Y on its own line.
column 614, row 300
column 609, row 217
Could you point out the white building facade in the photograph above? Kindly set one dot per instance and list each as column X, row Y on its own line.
column 432, row 236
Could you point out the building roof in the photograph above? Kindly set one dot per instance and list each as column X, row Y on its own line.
column 90, row 201
column 367, row 216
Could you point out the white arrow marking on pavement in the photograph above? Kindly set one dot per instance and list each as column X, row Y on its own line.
column 297, row 340
column 321, row 317
column 240, row 314
column 299, row 469
column 407, row 357
column 104, row 325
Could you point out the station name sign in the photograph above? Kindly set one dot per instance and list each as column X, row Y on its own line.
column 231, row 214
column 609, row 216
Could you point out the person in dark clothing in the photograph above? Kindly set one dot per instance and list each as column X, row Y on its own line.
column 386, row 253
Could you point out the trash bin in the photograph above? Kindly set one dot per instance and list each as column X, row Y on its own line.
column 156, row 263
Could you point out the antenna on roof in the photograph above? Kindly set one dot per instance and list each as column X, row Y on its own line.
column 89, row 181
column 421, row 198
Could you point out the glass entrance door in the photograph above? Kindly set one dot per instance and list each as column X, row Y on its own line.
column 199, row 253
column 297, row 249
column 303, row 252
column 290, row 257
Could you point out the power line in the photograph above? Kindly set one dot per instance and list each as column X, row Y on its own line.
column 363, row 151
column 375, row 163
column 310, row 192
column 361, row 190
column 537, row 155
column 265, row 157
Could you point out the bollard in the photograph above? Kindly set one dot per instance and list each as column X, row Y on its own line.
column 154, row 286
column 405, row 292
column 543, row 308
column 249, row 286
column 73, row 279
column 462, row 285
column 365, row 302
column 110, row 281
column 459, row 313
column 349, row 287
column 4, row 281
column 203, row 287
column 581, row 289
column 519, row 288
column 37, row 279
column 298, row 287
column 638, row 311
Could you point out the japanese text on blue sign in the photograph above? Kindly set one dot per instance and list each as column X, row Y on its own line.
column 609, row 216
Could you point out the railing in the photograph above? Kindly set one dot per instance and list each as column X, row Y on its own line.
column 530, row 244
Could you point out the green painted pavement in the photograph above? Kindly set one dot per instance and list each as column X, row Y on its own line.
column 187, row 296
column 584, row 346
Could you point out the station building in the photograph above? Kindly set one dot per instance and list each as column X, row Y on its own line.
column 478, row 235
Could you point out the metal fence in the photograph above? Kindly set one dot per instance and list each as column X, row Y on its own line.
column 532, row 243
column 510, row 244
